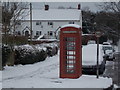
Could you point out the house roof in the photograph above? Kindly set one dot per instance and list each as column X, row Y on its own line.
column 55, row 14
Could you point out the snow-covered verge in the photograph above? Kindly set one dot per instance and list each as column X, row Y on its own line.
column 45, row 74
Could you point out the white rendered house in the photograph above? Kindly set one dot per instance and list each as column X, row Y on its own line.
column 48, row 21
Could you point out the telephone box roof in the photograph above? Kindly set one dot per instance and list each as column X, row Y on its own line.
column 71, row 25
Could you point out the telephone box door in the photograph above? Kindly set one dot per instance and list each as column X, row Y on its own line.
column 70, row 52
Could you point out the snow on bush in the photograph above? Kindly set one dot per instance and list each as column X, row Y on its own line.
column 29, row 54
column 27, row 49
column 52, row 48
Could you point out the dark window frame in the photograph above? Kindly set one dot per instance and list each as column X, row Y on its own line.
column 38, row 23
column 38, row 33
column 50, row 33
column 50, row 23
column 18, row 23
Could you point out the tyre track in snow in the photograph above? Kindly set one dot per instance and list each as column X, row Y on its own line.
column 40, row 71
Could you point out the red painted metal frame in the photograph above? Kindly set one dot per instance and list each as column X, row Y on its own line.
column 78, row 52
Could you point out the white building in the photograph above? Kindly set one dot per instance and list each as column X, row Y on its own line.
column 47, row 21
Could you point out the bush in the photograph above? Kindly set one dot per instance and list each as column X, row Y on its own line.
column 29, row 55
column 52, row 49
column 6, row 50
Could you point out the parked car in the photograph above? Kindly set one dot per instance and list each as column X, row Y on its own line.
column 106, row 43
column 89, row 59
column 91, row 42
column 108, row 52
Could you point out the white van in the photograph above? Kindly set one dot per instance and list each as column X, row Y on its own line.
column 89, row 59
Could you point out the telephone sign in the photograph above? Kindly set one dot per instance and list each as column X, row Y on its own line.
column 70, row 52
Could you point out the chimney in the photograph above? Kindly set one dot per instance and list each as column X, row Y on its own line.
column 79, row 6
column 46, row 7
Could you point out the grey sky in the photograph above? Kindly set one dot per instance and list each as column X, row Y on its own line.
column 92, row 5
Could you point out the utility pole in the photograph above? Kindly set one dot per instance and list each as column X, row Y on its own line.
column 98, row 34
column 97, row 57
column 31, row 23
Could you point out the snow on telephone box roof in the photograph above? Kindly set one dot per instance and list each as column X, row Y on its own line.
column 55, row 14
column 71, row 25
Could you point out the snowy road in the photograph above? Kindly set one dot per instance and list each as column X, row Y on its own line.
column 109, row 69
column 46, row 75
column 36, row 72
column 40, row 70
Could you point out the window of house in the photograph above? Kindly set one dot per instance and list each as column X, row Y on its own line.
column 27, row 33
column 18, row 23
column 41, row 26
column 38, row 23
column 38, row 33
column 19, row 33
column 50, row 23
column 71, row 22
column 50, row 33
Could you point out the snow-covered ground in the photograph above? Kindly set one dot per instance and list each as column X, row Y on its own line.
column 46, row 75
column 116, row 48
column 109, row 69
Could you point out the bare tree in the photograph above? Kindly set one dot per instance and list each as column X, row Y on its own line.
column 108, row 19
column 12, row 13
column 114, row 9
column 111, row 6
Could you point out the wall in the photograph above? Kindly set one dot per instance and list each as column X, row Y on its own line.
column 45, row 26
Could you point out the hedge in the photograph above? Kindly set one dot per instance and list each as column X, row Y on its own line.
column 11, row 40
column 28, row 54
column 6, row 50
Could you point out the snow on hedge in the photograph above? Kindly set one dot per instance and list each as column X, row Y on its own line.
column 29, row 54
column 32, row 48
column 28, row 48
column 49, row 45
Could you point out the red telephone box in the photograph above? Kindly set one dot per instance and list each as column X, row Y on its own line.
column 70, row 51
